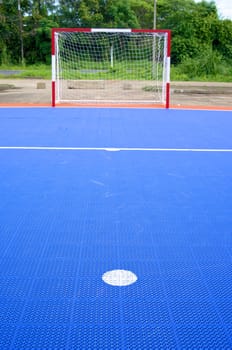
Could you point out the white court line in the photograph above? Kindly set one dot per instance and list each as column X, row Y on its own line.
column 114, row 149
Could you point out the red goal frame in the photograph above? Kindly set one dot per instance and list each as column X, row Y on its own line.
column 88, row 30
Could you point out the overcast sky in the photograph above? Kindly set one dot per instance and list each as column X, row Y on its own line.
column 224, row 8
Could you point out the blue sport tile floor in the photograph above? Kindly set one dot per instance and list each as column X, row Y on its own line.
column 86, row 191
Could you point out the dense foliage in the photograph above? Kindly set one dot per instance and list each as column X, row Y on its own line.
column 201, row 40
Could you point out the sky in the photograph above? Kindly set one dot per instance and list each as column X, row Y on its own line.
column 224, row 8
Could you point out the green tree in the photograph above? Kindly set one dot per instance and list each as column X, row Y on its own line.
column 119, row 14
column 9, row 32
column 222, row 41
column 97, row 13
column 90, row 13
column 33, row 32
column 68, row 13
column 37, row 40
column 197, row 30
column 144, row 11
column 39, row 20
column 192, row 25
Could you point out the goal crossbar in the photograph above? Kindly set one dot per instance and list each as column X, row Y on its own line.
column 110, row 66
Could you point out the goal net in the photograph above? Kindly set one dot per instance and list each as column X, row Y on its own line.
column 110, row 66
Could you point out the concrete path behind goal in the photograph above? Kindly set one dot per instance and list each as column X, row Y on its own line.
column 38, row 91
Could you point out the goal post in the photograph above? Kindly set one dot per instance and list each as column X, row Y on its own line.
column 111, row 66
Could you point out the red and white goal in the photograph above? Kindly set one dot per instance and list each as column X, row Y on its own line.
column 110, row 66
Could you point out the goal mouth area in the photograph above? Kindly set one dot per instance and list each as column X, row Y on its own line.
column 110, row 67
column 109, row 105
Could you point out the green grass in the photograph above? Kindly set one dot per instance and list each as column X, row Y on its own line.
column 135, row 70
column 123, row 70
column 208, row 67
column 178, row 73
column 27, row 72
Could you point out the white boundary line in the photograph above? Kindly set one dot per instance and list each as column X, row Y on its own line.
column 114, row 149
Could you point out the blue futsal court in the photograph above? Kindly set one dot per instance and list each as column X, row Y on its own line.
column 88, row 191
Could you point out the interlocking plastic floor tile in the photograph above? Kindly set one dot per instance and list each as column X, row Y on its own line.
column 41, row 338
column 204, row 338
column 69, row 216
column 7, row 332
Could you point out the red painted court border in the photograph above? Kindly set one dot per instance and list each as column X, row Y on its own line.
column 118, row 105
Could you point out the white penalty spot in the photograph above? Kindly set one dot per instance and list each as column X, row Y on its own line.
column 119, row 278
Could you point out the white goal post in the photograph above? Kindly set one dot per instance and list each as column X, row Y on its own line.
column 111, row 66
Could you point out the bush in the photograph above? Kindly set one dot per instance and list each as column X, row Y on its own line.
column 207, row 63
